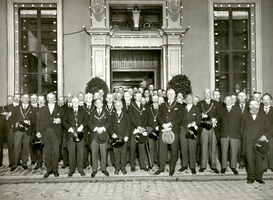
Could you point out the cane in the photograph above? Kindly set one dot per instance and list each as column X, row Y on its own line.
column 148, row 153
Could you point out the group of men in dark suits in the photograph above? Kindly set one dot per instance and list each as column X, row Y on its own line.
column 127, row 116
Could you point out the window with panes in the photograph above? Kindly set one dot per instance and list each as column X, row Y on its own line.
column 234, row 48
column 37, row 48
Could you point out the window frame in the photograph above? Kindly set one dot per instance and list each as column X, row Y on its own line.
column 13, row 51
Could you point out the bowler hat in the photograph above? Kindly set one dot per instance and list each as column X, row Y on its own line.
column 168, row 137
column 22, row 126
column 261, row 148
column 102, row 138
column 3, row 110
column 37, row 143
column 192, row 133
column 140, row 138
column 206, row 123
column 117, row 142
column 76, row 136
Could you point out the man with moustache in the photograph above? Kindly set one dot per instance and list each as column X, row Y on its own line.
column 75, row 119
column 268, row 110
column 88, row 107
column 49, row 129
column 24, row 113
column 38, row 151
column 209, row 108
column 170, row 116
column 127, row 101
column 10, row 134
column 254, row 128
column 230, row 135
column 33, row 155
column 192, row 118
column 99, row 123
column 153, row 110
column 120, row 129
column 138, row 117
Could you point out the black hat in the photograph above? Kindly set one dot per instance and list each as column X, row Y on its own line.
column 37, row 143
column 76, row 136
column 192, row 133
column 22, row 126
column 261, row 148
column 3, row 110
column 102, row 138
column 117, row 142
column 206, row 123
column 140, row 138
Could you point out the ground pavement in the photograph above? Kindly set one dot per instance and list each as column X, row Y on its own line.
column 29, row 184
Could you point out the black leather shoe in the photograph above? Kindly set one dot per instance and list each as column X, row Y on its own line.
column 56, row 174
column 116, row 171
column 82, row 173
column 46, row 175
column 10, row 165
column 19, row 164
column 12, row 169
column 202, row 169
column 37, row 167
column 105, row 173
column 145, row 169
column 33, row 163
column 25, row 167
column 250, row 181
column 70, row 174
column 124, row 171
column 171, row 173
column 182, row 169
column 215, row 170
column 93, row 174
column 64, row 166
column 235, row 172
column 223, row 170
column 241, row 167
column 260, row 181
column 193, row 171
column 157, row 172
column 133, row 169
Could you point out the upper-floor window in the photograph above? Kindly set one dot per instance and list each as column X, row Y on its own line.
column 36, row 48
column 234, row 48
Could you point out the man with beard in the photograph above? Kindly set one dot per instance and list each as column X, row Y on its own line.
column 254, row 128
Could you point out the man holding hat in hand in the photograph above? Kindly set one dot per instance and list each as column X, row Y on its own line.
column 170, row 117
column 120, row 130
column 75, row 119
column 255, row 128
column 99, row 124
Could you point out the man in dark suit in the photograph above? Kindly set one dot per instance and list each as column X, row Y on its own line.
column 243, row 105
column 49, row 129
column 99, row 124
column 170, row 116
column 10, row 134
column 127, row 101
column 88, row 107
column 188, row 146
column 38, row 151
column 153, row 110
column 254, row 127
column 268, row 110
column 120, row 128
column 3, row 128
column 138, row 117
column 33, row 105
column 148, row 97
column 75, row 119
column 230, row 134
column 23, row 112
column 209, row 108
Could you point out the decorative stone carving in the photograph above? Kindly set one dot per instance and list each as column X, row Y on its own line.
column 98, row 10
column 174, row 11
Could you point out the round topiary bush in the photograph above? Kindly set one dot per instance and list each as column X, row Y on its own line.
column 95, row 84
column 180, row 84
